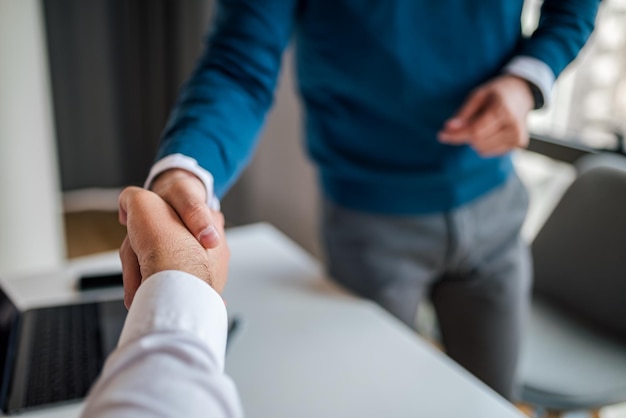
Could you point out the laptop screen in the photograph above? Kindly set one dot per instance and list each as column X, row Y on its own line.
column 8, row 318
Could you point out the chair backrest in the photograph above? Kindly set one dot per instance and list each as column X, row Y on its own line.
column 580, row 252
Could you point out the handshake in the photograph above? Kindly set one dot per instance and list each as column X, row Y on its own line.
column 175, row 330
column 158, row 240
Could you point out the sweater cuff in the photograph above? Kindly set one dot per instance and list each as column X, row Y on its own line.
column 175, row 301
column 185, row 163
column 537, row 73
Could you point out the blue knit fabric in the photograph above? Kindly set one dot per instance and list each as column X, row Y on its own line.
column 378, row 78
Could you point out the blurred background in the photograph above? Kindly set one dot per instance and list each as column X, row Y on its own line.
column 115, row 67
column 81, row 118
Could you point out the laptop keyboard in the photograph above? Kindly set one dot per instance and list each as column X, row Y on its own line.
column 66, row 354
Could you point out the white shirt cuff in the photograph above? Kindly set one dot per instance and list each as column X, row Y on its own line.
column 534, row 71
column 186, row 163
column 174, row 301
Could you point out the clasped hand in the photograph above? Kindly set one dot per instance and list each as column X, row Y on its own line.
column 493, row 118
column 158, row 240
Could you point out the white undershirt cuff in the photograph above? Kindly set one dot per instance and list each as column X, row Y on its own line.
column 536, row 72
column 186, row 163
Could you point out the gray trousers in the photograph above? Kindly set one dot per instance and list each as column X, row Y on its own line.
column 471, row 262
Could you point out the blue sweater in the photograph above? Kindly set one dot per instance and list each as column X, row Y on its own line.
column 378, row 78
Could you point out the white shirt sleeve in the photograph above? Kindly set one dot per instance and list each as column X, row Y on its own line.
column 536, row 72
column 170, row 357
column 186, row 163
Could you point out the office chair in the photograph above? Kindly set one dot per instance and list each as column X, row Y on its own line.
column 574, row 355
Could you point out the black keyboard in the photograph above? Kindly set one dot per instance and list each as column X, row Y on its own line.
column 66, row 354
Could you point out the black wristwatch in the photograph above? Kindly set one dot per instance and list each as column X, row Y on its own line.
column 537, row 95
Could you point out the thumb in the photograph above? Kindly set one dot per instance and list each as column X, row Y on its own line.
column 186, row 194
column 158, row 239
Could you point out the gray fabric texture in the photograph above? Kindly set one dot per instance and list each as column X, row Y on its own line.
column 575, row 356
column 471, row 262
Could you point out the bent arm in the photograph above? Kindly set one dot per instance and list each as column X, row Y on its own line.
column 563, row 29
column 221, row 108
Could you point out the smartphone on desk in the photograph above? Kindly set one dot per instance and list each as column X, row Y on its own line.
column 234, row 324
column 99, row 281
column 108, row 280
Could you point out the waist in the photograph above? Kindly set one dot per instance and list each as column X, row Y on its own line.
column 415, row 193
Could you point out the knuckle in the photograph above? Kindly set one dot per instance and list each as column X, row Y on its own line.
column 150, row 260
column 151, row 256
column 196, row 211
column 171, row 191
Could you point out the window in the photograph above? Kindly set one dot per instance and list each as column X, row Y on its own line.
column 589, row 99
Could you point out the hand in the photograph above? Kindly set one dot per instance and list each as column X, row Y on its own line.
column 158, row 240
column 493, row 118
column 187, row 195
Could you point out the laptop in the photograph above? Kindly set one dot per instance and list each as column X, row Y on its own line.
column 52, row 355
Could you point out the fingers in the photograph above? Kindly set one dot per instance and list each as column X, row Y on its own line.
column 123, row 202
column 498, row 140
column 155, row 232
column 486, row 124
column 158, row 240
column 457, row 128
column 220, row 222
column 130, row 272
column 148, row 214
column 487, row 145
column 493, row 119
column 483, row 125
column 218, row 258
column 187, row 195
column 501, row 141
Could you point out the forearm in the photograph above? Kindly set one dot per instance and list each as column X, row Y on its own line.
column 170, row 358
column 199, row 391
column 221, row 108
column 564, row 27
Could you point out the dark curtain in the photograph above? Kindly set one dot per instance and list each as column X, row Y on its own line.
column 116, row 67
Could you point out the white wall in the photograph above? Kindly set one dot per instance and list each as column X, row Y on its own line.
column 31, row 228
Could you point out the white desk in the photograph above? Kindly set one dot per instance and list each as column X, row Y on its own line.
column 307, row 349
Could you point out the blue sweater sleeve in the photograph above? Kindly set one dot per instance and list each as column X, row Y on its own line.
column 564, row 27
column 221, row 108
